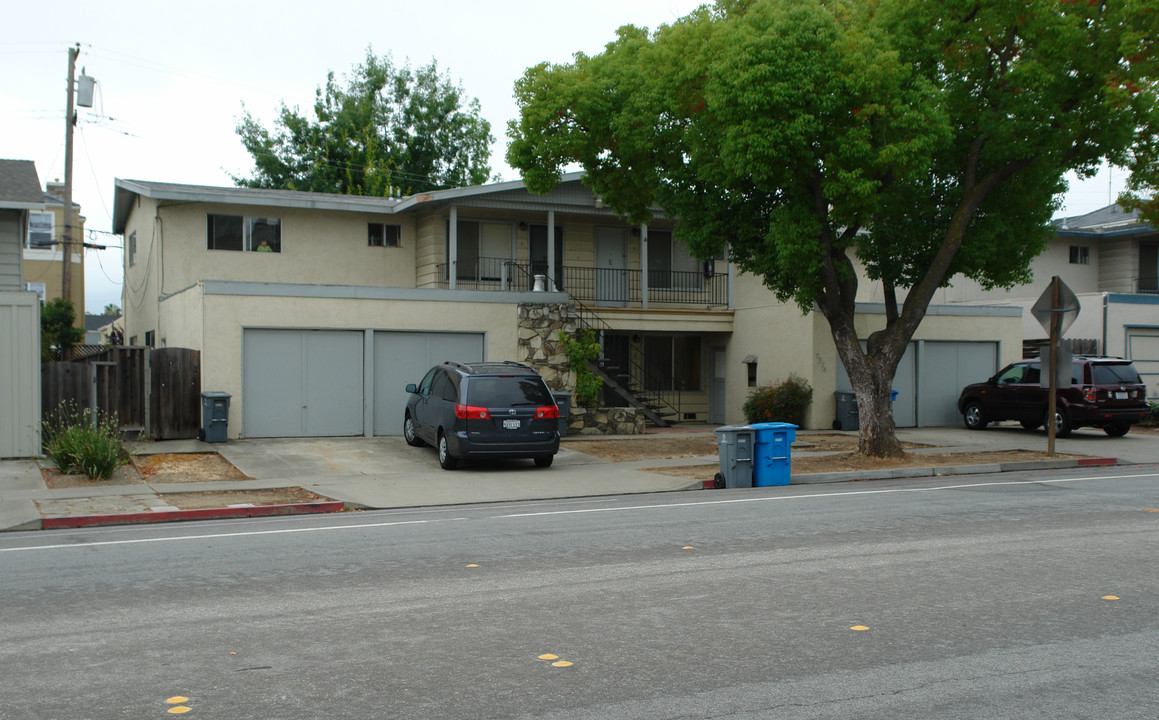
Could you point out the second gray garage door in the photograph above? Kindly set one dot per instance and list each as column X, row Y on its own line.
column 404, row 357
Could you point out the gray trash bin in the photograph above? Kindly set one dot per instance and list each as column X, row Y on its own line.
column 735, row 445
column 563, row 402
column 214, row 416
column 847, row 418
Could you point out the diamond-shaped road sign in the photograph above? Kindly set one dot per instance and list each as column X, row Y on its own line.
column 1068, row 307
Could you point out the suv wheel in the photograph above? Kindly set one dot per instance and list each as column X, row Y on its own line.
column 1061, row 423
column 446, row 460
column 544, row 461
column 1118, row 429
column 408, row 432
column 974, row 416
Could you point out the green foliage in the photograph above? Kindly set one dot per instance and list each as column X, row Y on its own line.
column 388, row 129
column 581, row 349
column 111, row 309
column 79, row 441
column 922, row 139
column 1152, row 414
column 787, row 401
column 58, row 335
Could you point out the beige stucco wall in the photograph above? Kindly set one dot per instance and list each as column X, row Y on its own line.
column 43, row 265
column 181, row 322
column 142, row 272
column 227, row 315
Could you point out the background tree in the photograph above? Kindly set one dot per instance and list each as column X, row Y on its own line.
column 919, row 139
column 388, row 128
column 112, row 309
column 58, row 334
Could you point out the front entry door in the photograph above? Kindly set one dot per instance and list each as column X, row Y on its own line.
column 716, row 396
column 611, row 267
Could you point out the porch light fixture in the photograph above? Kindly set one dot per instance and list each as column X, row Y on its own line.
column 522, row 225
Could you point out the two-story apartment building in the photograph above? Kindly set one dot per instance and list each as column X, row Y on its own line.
column 1110, row 259
column 314, row 310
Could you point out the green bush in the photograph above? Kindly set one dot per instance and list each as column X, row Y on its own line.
column 786, row 401
column 75, row 443
column 580, row 350
column 1153, row 416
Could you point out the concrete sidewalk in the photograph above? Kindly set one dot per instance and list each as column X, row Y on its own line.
column 373, row 473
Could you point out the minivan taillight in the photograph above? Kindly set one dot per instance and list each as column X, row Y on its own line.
column 1090, row 394
column 547, row 412
column 470, row 412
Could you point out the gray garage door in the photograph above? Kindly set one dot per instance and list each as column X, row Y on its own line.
column 1143, row 349
column 404, row 357
column 929, row 377
column 944, row 369
column 302, row 383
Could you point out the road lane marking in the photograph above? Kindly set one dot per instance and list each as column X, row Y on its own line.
column 211, row 536
column 837, row 494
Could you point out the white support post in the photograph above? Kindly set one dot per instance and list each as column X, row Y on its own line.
column 453, row 248
column 551, row 249
column 644, row 265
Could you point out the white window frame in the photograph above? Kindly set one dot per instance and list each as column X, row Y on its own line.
column 51, row 230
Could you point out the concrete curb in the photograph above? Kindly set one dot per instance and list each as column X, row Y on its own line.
column 159, row 516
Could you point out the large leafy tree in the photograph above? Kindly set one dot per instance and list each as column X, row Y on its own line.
column 387, row 129
column 918, row 139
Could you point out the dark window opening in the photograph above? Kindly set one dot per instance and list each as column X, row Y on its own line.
column 244, row 234
column 383, row 235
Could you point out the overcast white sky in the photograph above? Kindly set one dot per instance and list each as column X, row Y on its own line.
column 173, row 77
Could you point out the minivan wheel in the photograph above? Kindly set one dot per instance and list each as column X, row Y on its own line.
column 1062, row 426
column 1118, row 429
column 974, row 416
column 408, row 432
column 544, row 461
column 446, row 460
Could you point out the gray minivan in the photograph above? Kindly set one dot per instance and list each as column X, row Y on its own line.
column 483, row 410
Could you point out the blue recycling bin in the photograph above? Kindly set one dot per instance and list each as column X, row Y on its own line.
column 772, row 453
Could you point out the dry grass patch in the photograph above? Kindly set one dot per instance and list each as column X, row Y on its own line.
column 221, row 499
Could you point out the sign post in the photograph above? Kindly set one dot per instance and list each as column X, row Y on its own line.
column 1056, row 310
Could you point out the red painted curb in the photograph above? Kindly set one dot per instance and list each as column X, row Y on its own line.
column 1084, row 462
column 141, row 518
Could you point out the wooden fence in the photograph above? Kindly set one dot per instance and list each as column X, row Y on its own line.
column 154, row 391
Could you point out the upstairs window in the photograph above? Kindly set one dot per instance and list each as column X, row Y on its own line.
column 244, row 234
column 41, row 230
column 383, row 235
column 133, row 248
column 1080, row 255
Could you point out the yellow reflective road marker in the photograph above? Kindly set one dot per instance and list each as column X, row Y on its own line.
column 548, row 656
column 177, row 700
column 858, row 627
column 1110, row 597
column 473, row 565
column 687, row 547
column 179, row 710
column 561, row 663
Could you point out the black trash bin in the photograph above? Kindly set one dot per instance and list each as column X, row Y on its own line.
column 563, row 402
column 214, row 416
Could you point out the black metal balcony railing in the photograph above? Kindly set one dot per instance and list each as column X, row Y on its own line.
column 603, row 286
column 1148, row 285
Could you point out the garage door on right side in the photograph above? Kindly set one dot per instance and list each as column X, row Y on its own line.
column 945, row 368
column 404, row 357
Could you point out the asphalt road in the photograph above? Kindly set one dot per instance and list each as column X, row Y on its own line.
column 982, row 597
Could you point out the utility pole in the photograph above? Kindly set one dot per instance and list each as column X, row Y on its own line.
column 69, row 218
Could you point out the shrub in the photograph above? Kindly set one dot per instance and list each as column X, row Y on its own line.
column 1152, row 416
column 82, row 441
column 580, row 351
column 786, row 401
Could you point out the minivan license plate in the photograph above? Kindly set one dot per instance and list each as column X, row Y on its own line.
column 510, row 424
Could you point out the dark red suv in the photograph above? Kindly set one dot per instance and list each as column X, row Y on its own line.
column 1104, row 393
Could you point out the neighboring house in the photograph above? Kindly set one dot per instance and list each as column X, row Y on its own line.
column 98, row 328
column 19, row 315
column 1110, row 259
column 357, row 296
column 44, row 252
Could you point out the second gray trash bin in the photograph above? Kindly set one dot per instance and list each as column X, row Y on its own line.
column 735, row 445
column 847, row 418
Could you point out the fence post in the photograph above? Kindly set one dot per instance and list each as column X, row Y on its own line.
column 148, row 360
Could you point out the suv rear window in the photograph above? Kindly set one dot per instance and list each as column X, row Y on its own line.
column 508, row 392
column 1117, row 374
